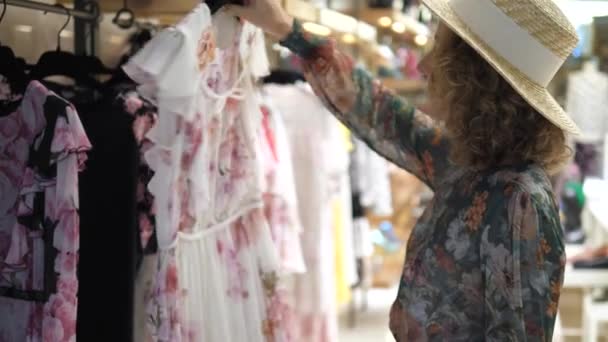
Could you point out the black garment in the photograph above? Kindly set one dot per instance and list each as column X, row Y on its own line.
column 358, row 209
column 108, row 231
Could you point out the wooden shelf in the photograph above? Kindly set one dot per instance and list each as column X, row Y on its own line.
column 147, row 8
column 404, row 86
column 302, row 10
column 372, row 16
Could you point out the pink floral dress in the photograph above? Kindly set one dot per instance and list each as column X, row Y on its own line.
column 42, row 148
column 216, row 275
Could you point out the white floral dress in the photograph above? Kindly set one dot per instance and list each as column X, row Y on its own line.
column 217, row 262
column 318, row 169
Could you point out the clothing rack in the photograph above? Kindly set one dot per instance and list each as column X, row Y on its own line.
column 85, row 13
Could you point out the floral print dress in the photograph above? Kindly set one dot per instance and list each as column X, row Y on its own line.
column 319, row 173
column 486, row 260
column 216, row 276
column 42, row 148
column 280, row 200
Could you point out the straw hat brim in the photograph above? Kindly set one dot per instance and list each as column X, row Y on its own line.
column 536, row 95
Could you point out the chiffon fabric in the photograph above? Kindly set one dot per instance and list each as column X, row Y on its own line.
column 485, row 261
column 318, row 169
column 217, row 266
column 42, row 148
column 280, row 199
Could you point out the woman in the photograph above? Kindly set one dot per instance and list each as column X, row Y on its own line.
column 486, row 260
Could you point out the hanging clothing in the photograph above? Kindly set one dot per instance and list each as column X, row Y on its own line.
column 342, row 255
column 341, row 214
column 314, row 166
column 112, row 210
column 587, row 103
column 109, row 238
column 280, row 201
column 485, row 262
column 370, row 182
column 144, row 117
column 370, row 179
column 217, row 265
column 280, row 208
column 42, row 148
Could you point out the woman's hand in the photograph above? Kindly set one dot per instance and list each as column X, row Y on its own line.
column 265, row 14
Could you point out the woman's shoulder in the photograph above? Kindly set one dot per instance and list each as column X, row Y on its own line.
column 507, row 185
column 521, row 196
column 529, row 178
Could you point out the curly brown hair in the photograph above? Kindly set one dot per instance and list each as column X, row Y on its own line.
column 489, row 123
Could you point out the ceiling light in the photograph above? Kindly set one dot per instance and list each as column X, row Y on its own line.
column 23, row 28
column 115, row 39
column 367, row 32
column 385, row 21
column 421, row 40
column 317, row 29
column 398, row 27
column 337, row 21
column 66, row 34
column 348, row 38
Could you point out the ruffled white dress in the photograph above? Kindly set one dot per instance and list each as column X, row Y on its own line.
column 217, row 262
column 318, row 168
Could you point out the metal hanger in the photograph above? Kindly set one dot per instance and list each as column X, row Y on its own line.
column 67, row 22
column 63, row 63
column 124, row 18
column 3, row 10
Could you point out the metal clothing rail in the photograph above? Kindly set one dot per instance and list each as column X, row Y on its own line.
column 76, row 13
column 85, row 13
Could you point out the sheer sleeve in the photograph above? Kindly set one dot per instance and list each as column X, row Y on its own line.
column 383, row 120
column 523, row 265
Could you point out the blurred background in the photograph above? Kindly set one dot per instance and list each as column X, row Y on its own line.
column 374, row 204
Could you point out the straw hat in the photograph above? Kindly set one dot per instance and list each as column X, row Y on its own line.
column 526, row 41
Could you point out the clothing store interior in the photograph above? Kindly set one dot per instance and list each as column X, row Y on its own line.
column 270, row 221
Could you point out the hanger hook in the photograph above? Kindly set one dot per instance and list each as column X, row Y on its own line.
column 124, row 18
column 67, row 22
column 3, row 10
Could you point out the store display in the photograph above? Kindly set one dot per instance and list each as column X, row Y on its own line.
column 588, row 158
column 379, row 117
column 208, row 190
column 43, row 147
column 109, row 220
column 280, row 199
column 587, row 102
column 321, row 177
column 370, row 179
column 591, row 258
column 160, row 183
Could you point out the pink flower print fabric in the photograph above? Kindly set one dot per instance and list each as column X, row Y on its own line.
column 6, row 93
column 206, row 48
column 145, row 118
column 280, row 204
column 39, row 224
column 215, row 246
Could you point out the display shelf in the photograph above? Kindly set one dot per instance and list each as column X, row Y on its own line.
column 410, row 26
column 404, row 86
column 302, row 10
column 146, row 7
column 406, row 190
